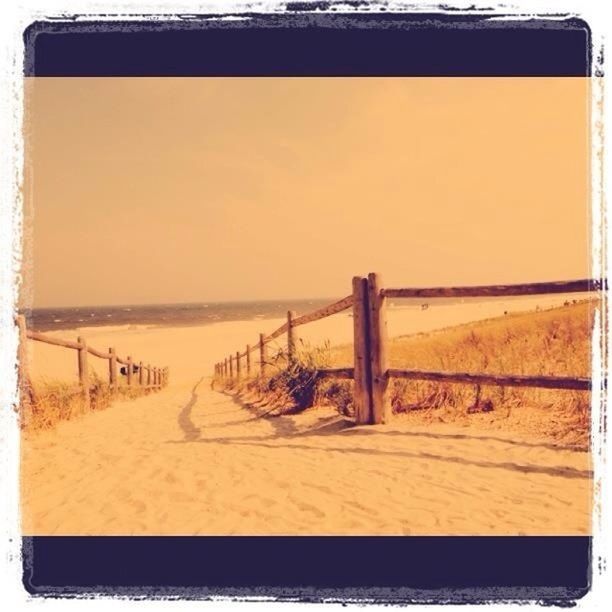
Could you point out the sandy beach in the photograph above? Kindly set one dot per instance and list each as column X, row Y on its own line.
column 190, row 460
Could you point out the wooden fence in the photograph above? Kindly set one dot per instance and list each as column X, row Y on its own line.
column 155, row 378
column 370, row 371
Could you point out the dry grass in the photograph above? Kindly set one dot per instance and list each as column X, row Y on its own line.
column 52, row 401
column 286, row 387
column 555, row 342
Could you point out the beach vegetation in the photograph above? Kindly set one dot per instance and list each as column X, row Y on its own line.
column 555, row 342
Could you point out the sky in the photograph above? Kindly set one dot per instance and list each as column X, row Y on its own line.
column 162, row 190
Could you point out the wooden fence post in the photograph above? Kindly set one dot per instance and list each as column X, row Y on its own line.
column 84, row 370
column 248, row 360
column 237, row 365
column 112, row 369
column 262, row 355
column 362, row 389
column 231, row 367
column 378, row 349
column 290, row 337
column 140, row 374
column 148, row 375
column 129, row 370
column 225, row 367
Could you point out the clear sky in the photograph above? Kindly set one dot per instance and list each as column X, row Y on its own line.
column 156, row 190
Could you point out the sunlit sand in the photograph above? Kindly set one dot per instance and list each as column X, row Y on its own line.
column 189, row 460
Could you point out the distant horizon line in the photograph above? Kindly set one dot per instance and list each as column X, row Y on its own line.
column 127, row 304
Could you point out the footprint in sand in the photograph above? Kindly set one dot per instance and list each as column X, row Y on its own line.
column 369, row 511
column 321, row 488
column 138, row 505
column 306, row 507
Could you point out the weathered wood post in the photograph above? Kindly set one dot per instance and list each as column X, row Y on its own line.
column 84, row 370
column 112, row 369
column 262, row 355
column 148, row 375
column 290, row 337
column 362, row 389
column 248, row 360
column 381, row 410
column 231, row 367
column 140, row 374
column 156, row 377
column 129, row 370
column 225, row 367
column 237, row 365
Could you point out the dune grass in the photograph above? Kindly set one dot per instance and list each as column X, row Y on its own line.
column 50, row 401
column 555, row 342
column 287, row 385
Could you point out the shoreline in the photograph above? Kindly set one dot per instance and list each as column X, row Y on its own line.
column 113, row 319
column 190, row 351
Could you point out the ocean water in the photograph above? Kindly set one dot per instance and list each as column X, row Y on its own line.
column 47, row 319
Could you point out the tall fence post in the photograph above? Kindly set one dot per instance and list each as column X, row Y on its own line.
column 237, row 365
column 378, row 349
column 362, row 389
column 140, row 374
column 248, row 360
column 112, row 369
column 290, row 336
column 231, row 367
column 84, row 370
column 148, row 375
column 262, row 355
column 129, row 370
column 225, row 367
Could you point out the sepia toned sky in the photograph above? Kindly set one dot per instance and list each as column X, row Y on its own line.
column 160, row 190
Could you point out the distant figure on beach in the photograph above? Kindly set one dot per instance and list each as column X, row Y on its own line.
column 424, row 306
column 123, row 370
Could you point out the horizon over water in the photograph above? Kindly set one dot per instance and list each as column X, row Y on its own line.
column 170, row 314
column 202, row 313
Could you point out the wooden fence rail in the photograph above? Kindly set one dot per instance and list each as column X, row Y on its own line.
column 156, row 377
column 370, row 371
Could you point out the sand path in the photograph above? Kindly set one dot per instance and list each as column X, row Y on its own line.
column 190, row 460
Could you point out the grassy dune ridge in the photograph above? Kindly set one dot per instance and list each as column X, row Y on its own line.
column 552, row 342
column 51, row 401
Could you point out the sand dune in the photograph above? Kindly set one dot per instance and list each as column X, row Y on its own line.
column 189, row 460
column 191, row 352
